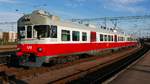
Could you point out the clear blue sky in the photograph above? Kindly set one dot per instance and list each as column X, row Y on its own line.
column 68, row 9
column 78, row 8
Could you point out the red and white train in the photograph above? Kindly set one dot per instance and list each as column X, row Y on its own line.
column 43, row 36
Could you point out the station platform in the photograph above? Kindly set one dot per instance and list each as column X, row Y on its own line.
column 138, row 73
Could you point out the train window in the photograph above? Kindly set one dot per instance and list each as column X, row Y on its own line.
column 128, row 38
column 121, row 38
column 115, row 39
column 131, row 39
column 65, row 35
column 75, row 35
column 118, row 38
column 112, row 38
column 53, row 32
column 21, row 32
column 42, row 31
column 101, row 37
column 29, row 32
column 109, row 38
column 105, row 37
column 84, row 36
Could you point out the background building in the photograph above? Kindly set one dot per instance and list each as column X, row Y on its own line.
column 8, row 37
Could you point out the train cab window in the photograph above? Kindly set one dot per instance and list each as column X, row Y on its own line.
column 21, row 32
column 105, row 37
column 29, row 31
column 75, row 35
column 42, row 31
column 53, row 31
column 101, row 37
column 84, row 36
column 65, row 35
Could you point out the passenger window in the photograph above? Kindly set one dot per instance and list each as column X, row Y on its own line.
column 53, row 32
column 122, row 38
column 101, row 37
column 65, row 35
column 75, row 35
column 109, row 38
column 29, row 32
column 128, row 39
column 115, row 38
column 84, row 36
column 105, row 37
column 118, row 38
column 112, row 38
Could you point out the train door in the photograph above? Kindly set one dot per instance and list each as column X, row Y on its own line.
column 115, row 38
column 93, row 36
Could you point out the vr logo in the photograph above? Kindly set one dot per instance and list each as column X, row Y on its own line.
column 29, row 47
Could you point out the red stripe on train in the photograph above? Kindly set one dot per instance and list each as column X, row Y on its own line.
column 56, row 49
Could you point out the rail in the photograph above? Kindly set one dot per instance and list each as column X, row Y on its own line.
column 108, row 71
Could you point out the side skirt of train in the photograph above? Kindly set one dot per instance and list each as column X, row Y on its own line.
column 38, row 54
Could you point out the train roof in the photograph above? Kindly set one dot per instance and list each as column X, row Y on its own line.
column 40, row 17
column 81, row 26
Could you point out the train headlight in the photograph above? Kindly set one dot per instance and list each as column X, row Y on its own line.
column 40, row 49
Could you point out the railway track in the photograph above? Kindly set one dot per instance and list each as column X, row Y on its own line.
column 4, row 59
column 109, row 71
column 28, row 75
column 5, row 49
column 7, row 56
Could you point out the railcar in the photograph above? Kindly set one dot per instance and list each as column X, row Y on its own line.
column 43, row 36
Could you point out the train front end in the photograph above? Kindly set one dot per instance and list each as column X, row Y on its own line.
column 33, row 34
